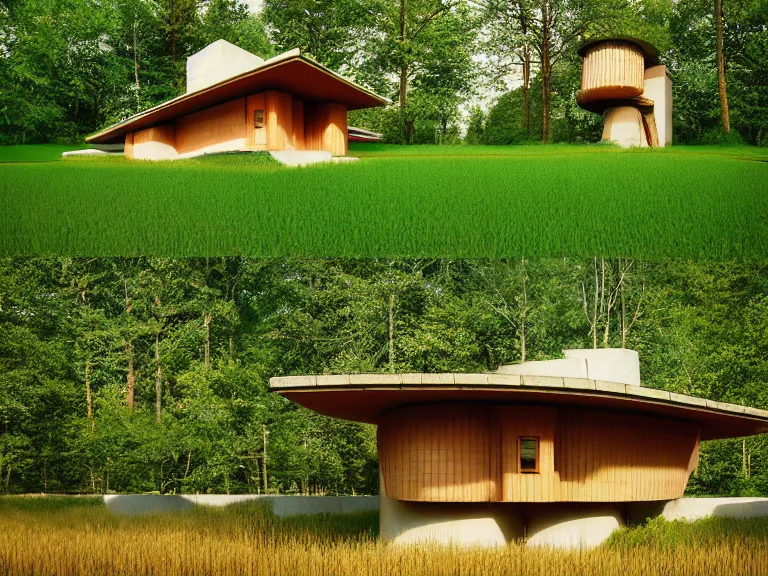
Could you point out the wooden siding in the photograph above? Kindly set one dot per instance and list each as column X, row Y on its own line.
column 612, row 70
column 436, row 455
column 255, row 138
column 278, row 117
column 468, row 453
column 218, row 129
column 157, row 143
column 325, row 128
column 297, row 139
column 129, row 145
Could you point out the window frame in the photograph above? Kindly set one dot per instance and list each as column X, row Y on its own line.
column 537, row 468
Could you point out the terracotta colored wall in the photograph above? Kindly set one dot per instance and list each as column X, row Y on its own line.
column 256, row 138
column 325, row 128
column 129, row 145
column 157, row 143
column 468, row 453
column 221, row 128
column 279, row 120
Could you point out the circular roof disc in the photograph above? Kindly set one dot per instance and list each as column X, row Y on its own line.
column 650, row 52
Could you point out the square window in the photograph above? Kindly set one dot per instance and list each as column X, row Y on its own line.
column 528, row 448
column 258, row 118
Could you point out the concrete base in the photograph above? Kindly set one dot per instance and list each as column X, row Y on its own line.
column 89, row 152
column 282, row 506
column 624, row 126
column 569, row 525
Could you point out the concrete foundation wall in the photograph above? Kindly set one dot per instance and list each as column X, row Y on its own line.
column 282, row 506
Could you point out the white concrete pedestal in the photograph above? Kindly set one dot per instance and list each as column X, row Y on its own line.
column 624, row 126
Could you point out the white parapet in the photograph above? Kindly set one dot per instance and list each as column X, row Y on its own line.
column 607, row 364
column 658, row 87
column 217, row 62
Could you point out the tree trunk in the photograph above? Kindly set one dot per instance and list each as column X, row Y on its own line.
column 392, row 333
column 546, row 71
column 523, row 316
column 264, row 457
column 136, row 64
column 88, row 393
column 526, row 88
column 158, row 379
column 721, row 85
column 130, row 378
column 594, row 309
column 408, row 124
column 207, row 349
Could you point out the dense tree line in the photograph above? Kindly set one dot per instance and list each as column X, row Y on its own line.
column 151, row 374
column 68, row 67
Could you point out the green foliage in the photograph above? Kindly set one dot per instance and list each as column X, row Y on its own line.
column 660, row 534
column 245, row 205
column 222, row 326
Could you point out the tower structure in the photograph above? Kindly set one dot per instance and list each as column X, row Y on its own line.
column 623, row 79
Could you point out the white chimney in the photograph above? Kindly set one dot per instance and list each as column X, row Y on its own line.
column 218, row 62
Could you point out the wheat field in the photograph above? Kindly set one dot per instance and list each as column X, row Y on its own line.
column 54, row 538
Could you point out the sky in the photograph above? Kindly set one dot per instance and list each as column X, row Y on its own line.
column 254, row 5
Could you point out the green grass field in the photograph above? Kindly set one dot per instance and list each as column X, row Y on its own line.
column 75, row 536
column 419, row 201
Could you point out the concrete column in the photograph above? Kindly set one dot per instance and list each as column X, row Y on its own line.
column 624, row 125
column 658, row 87
column 569, row 525
column 460, row 524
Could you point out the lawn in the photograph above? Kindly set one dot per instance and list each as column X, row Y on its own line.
column 79, row 536
column 397, row 201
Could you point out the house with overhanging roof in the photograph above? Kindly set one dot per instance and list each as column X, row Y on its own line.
column 562, row 452
column 236, row 101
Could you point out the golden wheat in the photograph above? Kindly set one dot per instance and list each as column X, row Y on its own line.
column 249, row 540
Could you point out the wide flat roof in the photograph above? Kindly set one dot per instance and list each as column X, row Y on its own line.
column 289, row 72
column 364, row 397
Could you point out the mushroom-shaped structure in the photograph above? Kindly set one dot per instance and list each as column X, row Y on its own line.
column 623, row 80
column 554, row 450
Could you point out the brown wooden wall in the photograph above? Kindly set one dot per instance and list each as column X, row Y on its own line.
column 279, row 120
column 217, row 129
column 612, row 70
column 156, row 143
column 129, row 145
column 468, row 453
column 256, row 138
column 325, row 128
column 288, row 123
column 297, row 140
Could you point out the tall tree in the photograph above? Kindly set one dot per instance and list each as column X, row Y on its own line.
column 721, row 84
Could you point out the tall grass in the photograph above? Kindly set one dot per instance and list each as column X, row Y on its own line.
column 248, row 539
column 628, row 203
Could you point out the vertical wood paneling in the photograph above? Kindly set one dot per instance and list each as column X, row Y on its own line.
column 256, row 138
column 128, row 150
column 469, row 453
column 325, row 128
column 278, row 119
column 297, row 125
column 612, row 70
column 156, row 143
column 220, row 128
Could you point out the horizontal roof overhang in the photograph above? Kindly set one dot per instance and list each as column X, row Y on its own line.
column 296, row 75
column 364, row 397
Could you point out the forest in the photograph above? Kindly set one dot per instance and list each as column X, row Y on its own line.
column 150, row 375
column 471, row 71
